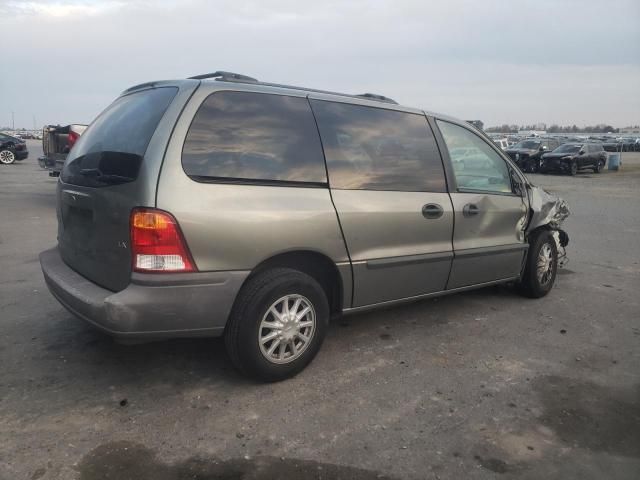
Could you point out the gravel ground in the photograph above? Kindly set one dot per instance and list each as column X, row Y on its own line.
column 484, row 384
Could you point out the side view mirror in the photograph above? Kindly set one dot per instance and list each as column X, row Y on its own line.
column 581, row 152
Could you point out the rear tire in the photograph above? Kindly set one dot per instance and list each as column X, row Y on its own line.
column 7, row 157
column 265, row 307
column 541, row 266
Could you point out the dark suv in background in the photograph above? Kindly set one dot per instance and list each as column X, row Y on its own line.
column 572, row 157
column 527, row 153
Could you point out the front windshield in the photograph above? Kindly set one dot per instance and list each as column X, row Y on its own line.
column 528, row 144
column 568, row 148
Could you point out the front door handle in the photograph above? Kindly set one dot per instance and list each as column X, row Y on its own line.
column 432, row 210
column 469, row 210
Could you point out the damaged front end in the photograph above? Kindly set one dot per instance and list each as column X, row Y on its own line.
column 548, row 211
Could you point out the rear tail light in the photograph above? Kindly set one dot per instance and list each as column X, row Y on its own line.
column 72, row 139
column 157, row 244
column 20, row 146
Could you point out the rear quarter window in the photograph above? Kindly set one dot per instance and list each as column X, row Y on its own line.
column 256, row 138
column 111, row 150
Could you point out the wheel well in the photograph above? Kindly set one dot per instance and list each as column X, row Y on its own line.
column 316, row 265
column 563, row 237
column 536, row 231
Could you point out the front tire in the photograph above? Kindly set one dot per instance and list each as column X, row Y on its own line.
column 599, row 166
column 573, row 169
column 541, row 266
column 277, row 325
column 7, row 157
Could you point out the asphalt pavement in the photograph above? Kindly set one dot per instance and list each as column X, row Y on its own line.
column 484, row 384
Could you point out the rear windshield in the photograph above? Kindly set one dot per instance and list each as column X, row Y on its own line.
column 567, row 148
column 110, row 151
column 530, row 144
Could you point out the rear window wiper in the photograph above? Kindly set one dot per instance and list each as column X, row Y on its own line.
column 105, row 177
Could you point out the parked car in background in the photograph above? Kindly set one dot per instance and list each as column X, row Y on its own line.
column 502, row 143
column 527, row 153
column 57, row 142
column 223, row 206
column 630, row 144
column 467, row 158
column 573, row 157
column 612, row 145
column 12, row 149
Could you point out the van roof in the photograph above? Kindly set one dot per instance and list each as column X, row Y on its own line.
column 251, row 83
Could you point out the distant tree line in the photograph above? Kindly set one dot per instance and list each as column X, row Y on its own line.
column 600, row 128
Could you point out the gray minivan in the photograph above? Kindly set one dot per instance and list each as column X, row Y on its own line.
column 221, row 205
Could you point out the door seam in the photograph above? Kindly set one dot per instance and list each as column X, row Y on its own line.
column 344, row 239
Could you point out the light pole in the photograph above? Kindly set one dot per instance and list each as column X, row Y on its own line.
column 13, row 123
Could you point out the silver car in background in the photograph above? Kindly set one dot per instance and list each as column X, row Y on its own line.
column 224, row 206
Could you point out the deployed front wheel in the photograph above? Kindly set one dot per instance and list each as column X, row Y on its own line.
column 277, row 324
column 541, row 266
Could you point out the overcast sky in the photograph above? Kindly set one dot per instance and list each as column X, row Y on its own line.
column 560, row 61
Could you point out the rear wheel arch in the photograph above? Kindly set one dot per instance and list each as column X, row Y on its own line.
column 315, row 264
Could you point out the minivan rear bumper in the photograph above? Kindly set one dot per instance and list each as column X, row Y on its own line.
column 152, row 307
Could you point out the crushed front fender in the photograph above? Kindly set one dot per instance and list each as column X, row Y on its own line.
column 546, row 209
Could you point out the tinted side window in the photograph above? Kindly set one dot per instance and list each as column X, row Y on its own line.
column 369, row 148
column 254, row 136
column 475, row 164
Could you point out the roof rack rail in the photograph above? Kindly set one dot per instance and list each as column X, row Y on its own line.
column 239, row 78
column 226, row 77
column 375, row 96
column 139, row 86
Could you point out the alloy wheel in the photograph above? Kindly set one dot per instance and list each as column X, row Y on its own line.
column 286, row 329
column 7, row 157
column 574, row 168
column 545, row 264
